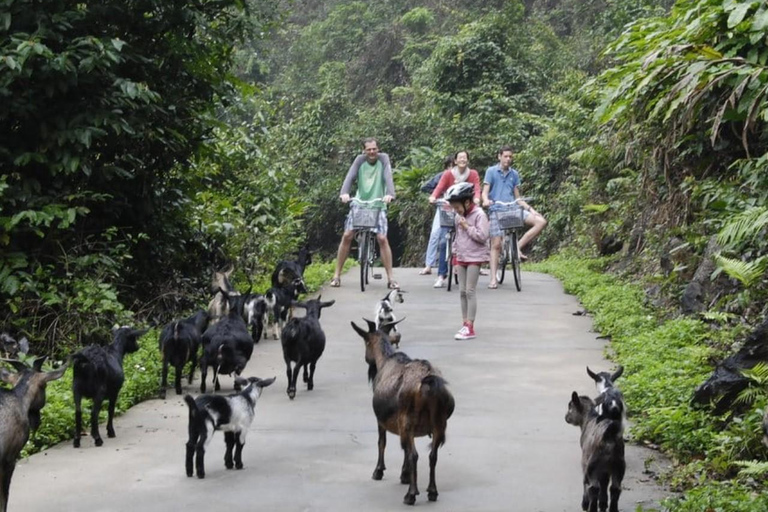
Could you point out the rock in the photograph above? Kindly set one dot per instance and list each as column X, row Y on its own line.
column 694, row 297
column 610, row 244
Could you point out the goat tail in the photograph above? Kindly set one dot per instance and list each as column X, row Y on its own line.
column 192, row 406
column 439, row 403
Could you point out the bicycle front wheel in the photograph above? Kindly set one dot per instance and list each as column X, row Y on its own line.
column 503, row 258
column 362, row 258
column 449, row 259
column 516, row 270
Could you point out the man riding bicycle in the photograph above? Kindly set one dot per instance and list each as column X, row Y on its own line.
column 501, row 185
column 373, row 173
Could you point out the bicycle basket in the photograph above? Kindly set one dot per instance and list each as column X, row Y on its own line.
column 510, row 219
column 447, row 218
column 364, row 218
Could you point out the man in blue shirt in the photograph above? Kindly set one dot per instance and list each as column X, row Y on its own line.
column 501, row 185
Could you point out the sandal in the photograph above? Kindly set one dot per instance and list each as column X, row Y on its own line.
column 523, row 257
column 335, row 282
column 493, row 286
column 392, row 285
column 425, row 272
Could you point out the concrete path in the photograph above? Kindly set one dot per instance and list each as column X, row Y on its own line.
column 508, row 447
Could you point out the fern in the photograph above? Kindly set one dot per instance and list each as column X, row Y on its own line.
column 746, row 272
column 757, row 389
column 744, row 227
column 752, row 468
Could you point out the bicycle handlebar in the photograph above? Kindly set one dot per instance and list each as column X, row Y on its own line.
column 511, row 203
column 361, row 201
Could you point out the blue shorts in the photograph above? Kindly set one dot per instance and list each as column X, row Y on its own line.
column 381, row 223
column 495, row 230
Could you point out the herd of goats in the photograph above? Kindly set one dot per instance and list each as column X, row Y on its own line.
column 410, row 397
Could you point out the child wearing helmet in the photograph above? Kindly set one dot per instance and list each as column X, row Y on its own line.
column 471, row 250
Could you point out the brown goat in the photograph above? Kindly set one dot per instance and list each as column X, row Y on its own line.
column 410, row 399
column 218, row 307
column 19, row 413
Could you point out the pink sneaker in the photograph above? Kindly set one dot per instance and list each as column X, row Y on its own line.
column 467, row 332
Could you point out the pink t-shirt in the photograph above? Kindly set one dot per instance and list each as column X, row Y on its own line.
column 446, row 180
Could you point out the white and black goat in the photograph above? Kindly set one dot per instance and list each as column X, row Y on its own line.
column 410, row 399
column 19, row 414
column 256, row 314
column 11, row 348
column 233, row 414
column 610, row 401
column 303, row 342
column 384, row 315
column 281, row 299
column 179, row 344
column 602, row 454
column 227, row 345
column 97, row 373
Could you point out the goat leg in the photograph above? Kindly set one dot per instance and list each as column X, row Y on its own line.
column 78, row 418
column 178, row 375
column 95, row 420
column 292, row 380
column 200, row 456
column 438, row 438
column 164, row 379
column 8, row 467
column 593, row 490
column 378, row 473
column 405, row 475
column 111, row 415
column 192, row 366
column 216, row 385
column 408, row 443
column 311, row 381
column 203, row 373
column 616, row 477
column 190, row 452
column 602, row 497
column 239, row 443
column 229, row 439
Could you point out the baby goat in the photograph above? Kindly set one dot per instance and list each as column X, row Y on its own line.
column 281, row 298
column 303, row 343
column 385, row 314
column 390, row 330
column 17, row 408
column 602, row 454
column 610, row 401
column 97, row 374
column 227, row 345
column 410, row 399
column 233, row 414
column 179, row 343
column 255, row 311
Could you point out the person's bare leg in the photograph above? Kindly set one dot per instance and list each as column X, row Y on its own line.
column 537, row 223
column 343, row 252
column 386, row 255
column 495, row 251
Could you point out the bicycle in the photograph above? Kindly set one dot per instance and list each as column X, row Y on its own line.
column 447, row 220
column 510, row 221
column 363, row 221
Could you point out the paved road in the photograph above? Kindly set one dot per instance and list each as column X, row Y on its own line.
column 508, row 448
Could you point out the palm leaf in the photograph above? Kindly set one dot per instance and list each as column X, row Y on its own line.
column 744, row 227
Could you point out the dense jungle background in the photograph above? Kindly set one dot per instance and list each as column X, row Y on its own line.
column 144, row 143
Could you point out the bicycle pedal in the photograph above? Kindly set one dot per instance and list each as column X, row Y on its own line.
column 377, row 276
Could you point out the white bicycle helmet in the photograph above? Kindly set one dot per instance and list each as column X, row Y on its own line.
column 460, row 192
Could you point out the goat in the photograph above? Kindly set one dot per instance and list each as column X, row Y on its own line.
column 227, row 345
column 610, row 400
column 12, row 348
column 97, row 373
column 286, row 271
column 282, row 298
column 232, row 414
column 18, row 407
column 390, row 330
column 256, row 315
column 410, row 399
column 219, row 304
column 303, row 343
column 384, row 313
column 179, row 342
column 602, row 454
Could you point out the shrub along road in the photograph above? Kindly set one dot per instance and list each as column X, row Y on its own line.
column 508, row 446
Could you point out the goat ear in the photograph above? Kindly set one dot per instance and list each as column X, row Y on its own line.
column 327, row 304
column 617, row 373
column 390, row 324
column 56, row 374
column 37, row 365
column 592, row 374
column 575, row 400
column 359, row 331
column 139, row 332
column 10, row 378
column 23, row 345
column 241, row 381
column 371, row 325
column 17, row 365
column 266, row 382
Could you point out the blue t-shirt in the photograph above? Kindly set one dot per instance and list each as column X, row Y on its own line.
column 502, row 185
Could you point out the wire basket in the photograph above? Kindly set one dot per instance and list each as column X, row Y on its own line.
column 364, row 218
column 447, row 218
column 510, row 219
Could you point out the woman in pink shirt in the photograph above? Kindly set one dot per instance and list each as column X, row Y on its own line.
column 460, row 173
column 471, row 250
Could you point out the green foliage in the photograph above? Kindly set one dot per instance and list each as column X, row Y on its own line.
column 746, row 272
column 719, row 496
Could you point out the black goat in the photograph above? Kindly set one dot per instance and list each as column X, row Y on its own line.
column 410, row 399
column 179, row 343
column 602, row 454
column 18, row 407
column 227, row 346
column 97, row 373
column 610, row 400
column 232, row 414
column 282, row 298
column 303, row 343
column 286, row 271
